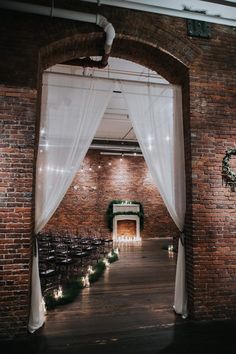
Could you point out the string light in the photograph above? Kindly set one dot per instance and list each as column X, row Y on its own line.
column 167, row 138
column 122, row 155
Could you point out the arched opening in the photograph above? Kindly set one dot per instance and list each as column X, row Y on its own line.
column 177, row 77
column 210, row 242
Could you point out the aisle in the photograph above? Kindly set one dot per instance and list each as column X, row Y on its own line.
column 135, row 294
column 128, row 311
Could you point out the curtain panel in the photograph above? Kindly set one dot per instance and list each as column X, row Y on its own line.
column 71, row 110
column 156, row 115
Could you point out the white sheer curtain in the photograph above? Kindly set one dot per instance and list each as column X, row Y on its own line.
column 72, row 108
column 156, row 115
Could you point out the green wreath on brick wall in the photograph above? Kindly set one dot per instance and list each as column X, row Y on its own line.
column 228, row 175
column 110, row 214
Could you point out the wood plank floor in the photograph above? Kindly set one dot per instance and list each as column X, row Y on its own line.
column 136, row 292
column 128, row 311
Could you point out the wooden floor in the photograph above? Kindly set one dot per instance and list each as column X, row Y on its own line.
column 136, row 292
column 129, row 311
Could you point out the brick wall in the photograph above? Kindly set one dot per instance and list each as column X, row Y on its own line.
column 206, row 70
column 83, row 209
column 17, row 113
column 213, row 130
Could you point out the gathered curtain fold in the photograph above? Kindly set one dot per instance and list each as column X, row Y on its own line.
column 72, row 108
column 156, row 115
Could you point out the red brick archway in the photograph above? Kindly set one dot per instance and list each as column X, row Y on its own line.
column 204, row 67
column 146, row 54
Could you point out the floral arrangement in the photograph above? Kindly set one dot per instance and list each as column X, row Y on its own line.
column 228, row 175
column 72, row 288
column 110, row 214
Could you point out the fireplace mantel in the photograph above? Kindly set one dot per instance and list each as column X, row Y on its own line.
column 126, row 208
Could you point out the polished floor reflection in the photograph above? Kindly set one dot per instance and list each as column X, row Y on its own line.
column 135, row 293
column 128, row 311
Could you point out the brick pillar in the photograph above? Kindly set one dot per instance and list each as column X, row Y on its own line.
column 17, row 145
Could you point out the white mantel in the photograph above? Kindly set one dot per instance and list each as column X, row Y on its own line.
column 124, row 208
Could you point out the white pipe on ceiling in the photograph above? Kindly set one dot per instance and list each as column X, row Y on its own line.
column 112, row 147
column 98, row 19
column 207, row 11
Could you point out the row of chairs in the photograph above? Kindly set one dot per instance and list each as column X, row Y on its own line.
column 62, row 257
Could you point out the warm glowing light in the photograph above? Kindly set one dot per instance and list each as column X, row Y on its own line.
column 171, row 251
column 90, row 270
column 116, row 251
column 109, row 163
column 99, row 166
column 128, row 239
column 44, row 305
column 58, row 293
column 85, row 281
column 90, row 168
column 105, row 261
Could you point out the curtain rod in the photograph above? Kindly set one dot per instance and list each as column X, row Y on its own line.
column 110, row 79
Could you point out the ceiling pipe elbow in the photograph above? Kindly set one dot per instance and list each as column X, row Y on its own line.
column 109, row 30
column 98, row 19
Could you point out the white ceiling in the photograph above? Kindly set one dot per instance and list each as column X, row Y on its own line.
column 115, row 124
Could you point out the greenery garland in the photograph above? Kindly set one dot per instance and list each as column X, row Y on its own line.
column 228, row 175
column 74, row 286
column 110, row 214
